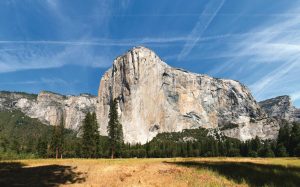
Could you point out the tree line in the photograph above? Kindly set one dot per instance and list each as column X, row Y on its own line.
column 91, row 144
column 63, row 143
column 188, row 143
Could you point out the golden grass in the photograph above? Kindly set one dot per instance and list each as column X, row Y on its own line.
column 154, row 172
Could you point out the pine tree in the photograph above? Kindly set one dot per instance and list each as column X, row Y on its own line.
column 57, row 140
column 284, row 135
column 95, row 135
column 297, row 150
column 90, row 137
column 41, row 148
column 61, row 137
column 266, row 150
column 54, row 141
column 15, row 146
column 294, row 139
column 86, row 136
column 114, row 130
column 255, row 146
column 281, row 150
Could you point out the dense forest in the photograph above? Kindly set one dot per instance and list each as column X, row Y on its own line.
column 24, row 137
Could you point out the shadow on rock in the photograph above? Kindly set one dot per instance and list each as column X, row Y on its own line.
column 251, row 173
column 17, row 174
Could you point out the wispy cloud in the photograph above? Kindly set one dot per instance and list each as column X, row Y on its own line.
column 197, row 15
column 52, row 81
column 15, row 57
column 187, row 40
column 99, row 42
column 202, row 24
column 42, row 58
column 273, row 50
column 19, row 82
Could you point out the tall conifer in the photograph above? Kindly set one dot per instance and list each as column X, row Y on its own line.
column 114, row 129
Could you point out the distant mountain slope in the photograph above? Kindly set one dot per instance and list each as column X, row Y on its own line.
column 20, row 136
column 19, row 132
column 50, row 107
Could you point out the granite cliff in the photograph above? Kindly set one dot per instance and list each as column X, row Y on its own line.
column 154, row 97
column 281, row 107
column 50, row 107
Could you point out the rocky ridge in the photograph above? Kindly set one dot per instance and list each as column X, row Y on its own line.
column 50, row 107
column 154, row 97
column 281, row 107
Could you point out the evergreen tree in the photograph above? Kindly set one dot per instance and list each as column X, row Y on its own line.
column 86, row 136
column 284, row 135
column 61, row 137
column 30, row 147
column 297, row 150
column 114, row 129
column 294, row 139
column 4, row 143
column 266, row 150
column 281, row 150
column 41, row 148
column 15, row 146
column 54, row 141
column 57, row 140
column 255, row 146
column 95, row 135
column 90, row 137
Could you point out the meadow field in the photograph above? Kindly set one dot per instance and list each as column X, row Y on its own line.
column 152, row 172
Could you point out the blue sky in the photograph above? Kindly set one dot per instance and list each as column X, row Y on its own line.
column 65, row 45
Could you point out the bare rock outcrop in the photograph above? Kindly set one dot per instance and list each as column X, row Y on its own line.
column 50, row 108
column 281, row 107
column 154, row 97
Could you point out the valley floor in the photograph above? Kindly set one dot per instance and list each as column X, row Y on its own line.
column 152, row 172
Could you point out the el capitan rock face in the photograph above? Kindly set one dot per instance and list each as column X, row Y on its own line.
column 154, row 97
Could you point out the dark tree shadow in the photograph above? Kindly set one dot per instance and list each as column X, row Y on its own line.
column 17, row 174
column 253, row 174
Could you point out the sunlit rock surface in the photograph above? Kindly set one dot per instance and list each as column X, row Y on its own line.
column 154, row 97
column 281, row 107
column 50, row 108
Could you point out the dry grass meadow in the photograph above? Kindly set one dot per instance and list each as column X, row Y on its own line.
column 152, row 172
